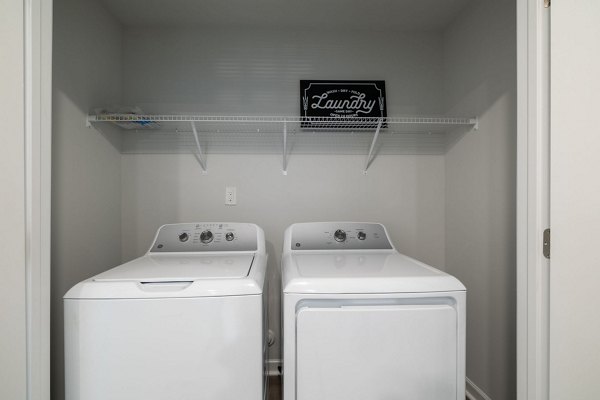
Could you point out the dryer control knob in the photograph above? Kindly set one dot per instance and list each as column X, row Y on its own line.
column 339, row 235
column 229, row 236
column 206, row 237
column 183, row 237
column 361, row 236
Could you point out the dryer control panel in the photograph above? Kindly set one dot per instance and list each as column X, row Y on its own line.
column 198, row 237
column 339, row 236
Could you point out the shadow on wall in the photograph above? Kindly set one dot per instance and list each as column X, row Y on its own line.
column 86, row 172
column 480, row 57
column 480, row 79
column 112, row 134
column 274, row 308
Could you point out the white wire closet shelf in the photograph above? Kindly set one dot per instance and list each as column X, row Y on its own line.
column 201, row 135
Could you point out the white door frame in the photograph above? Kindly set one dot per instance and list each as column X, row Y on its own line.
column 533, row 197
column 37, row 16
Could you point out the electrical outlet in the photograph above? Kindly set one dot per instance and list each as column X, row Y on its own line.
column 230, row 196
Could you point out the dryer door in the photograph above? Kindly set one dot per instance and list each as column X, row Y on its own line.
column 377, row 352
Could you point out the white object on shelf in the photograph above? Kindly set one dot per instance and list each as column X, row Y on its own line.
column 171, row 134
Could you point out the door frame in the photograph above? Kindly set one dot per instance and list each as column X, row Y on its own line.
column 533, row 198
column 37, row 17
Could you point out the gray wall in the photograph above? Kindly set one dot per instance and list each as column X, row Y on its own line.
column 257, row 72
column 86, row 166
column 480, row 79
column 254, row 73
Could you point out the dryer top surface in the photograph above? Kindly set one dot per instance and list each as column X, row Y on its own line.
column 366, row 272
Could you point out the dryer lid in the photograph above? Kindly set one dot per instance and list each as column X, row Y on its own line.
column 179, row 268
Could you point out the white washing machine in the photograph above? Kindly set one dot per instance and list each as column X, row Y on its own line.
column 362, row 321
column 185, row 321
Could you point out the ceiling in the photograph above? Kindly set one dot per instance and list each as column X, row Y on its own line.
column 325, row 15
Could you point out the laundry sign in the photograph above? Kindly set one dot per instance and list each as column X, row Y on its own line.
column 327, row 101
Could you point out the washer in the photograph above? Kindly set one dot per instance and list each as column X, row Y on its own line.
column 184, row 321
column 362, row 321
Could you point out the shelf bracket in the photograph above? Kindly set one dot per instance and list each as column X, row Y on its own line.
column 89, row 120
column 199, row 156
column 284, row 171
column 368, row 160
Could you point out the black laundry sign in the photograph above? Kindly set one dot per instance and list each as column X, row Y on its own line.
column 343, row 101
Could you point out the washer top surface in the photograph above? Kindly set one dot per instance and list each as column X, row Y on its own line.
column 356, row 268
column 187, row 260
column 172, row 268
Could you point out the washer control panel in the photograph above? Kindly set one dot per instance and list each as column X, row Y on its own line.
column 339, row 236
column 195, row 237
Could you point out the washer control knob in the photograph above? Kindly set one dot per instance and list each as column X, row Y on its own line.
column 361, row 236
column 183, row 237
column 339, row 235
column 229, row 236
column 206, row 237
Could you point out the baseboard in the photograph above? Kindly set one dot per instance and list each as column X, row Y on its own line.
column 473, row 392
column 274, row 367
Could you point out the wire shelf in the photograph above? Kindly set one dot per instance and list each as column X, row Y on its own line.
column 216, row 124
column 279, row 134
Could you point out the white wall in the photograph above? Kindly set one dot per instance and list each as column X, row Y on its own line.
column 86, row 192
column 12, row 203
column 254, row 73
column 480, row 79
column 574, row 202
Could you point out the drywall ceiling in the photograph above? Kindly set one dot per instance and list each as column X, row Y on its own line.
column 338, row 15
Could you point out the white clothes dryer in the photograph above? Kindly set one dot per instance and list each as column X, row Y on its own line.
column 362, row 321
column 184, row 321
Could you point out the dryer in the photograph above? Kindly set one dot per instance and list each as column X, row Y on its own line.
column 362, row 321
column 184, row 321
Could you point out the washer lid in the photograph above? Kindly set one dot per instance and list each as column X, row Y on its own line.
column 372, row 272
column 179, row 268
column 177, row 276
